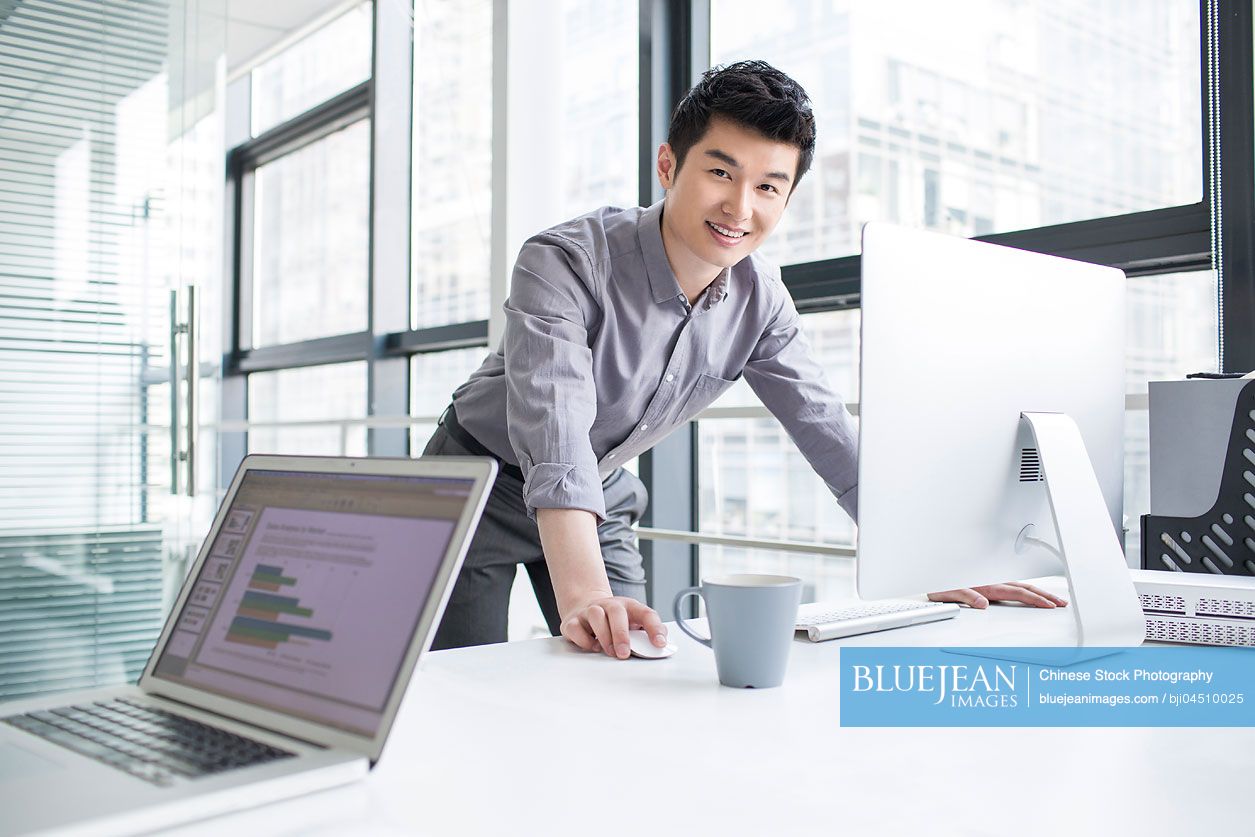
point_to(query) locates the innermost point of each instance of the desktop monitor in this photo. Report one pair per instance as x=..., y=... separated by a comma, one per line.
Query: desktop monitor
x=992, y=424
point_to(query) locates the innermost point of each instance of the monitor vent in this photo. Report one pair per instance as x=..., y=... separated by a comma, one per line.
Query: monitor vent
x=1204, y=633
x=1030, y=465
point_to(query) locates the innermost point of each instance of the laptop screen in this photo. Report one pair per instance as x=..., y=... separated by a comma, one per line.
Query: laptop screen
x=312, y=590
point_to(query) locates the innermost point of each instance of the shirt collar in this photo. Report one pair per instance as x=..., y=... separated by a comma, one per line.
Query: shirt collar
x=662, y=279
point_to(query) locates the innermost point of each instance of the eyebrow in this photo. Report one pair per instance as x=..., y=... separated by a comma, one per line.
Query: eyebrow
x=728, y=159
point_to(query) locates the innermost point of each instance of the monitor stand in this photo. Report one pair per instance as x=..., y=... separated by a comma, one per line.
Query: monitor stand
x=1104, y=602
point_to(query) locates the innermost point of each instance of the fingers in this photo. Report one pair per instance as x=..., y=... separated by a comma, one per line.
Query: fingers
x=1011, y=593
x=617, y=614
x=575, y=630
x=1027, y=594
x=646, y=618
x=600, y=625
x=966, y=596
x=1045, y=594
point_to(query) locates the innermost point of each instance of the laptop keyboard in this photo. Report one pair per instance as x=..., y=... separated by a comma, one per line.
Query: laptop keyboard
x=149, y=743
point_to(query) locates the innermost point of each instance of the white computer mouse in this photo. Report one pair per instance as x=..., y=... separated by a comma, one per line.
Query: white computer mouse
x=642, y=647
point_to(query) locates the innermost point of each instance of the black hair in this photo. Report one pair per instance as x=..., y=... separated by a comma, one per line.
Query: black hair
x=753, y=95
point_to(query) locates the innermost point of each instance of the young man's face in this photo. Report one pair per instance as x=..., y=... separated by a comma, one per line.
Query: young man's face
x=727, y=197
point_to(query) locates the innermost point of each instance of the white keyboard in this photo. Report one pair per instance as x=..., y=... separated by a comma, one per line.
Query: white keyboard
x=833, y=620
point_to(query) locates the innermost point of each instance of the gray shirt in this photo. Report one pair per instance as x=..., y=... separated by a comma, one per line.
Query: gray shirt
x=603, y=357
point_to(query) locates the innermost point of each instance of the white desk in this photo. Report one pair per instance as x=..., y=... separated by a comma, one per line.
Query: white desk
x=538, y=738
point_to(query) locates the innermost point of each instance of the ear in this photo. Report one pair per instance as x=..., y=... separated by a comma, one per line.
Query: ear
x=666, y=166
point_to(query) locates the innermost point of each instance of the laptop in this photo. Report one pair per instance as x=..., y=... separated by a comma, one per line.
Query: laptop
x=282, y=664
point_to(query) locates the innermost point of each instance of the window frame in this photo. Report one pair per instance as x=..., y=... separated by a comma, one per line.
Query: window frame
x=386, y=350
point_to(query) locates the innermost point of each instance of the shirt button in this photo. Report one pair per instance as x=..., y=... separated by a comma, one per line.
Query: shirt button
x=670, y=378
x=644, y=427
x=611, y=456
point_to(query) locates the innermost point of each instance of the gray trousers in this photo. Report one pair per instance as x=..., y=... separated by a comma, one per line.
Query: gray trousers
x=478, y=610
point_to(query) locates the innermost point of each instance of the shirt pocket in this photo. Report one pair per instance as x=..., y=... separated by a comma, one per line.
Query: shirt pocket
x=705, y=391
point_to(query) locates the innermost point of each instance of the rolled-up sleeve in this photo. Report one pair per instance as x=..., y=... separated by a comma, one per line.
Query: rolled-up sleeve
x=783, y=372
x=551, y=401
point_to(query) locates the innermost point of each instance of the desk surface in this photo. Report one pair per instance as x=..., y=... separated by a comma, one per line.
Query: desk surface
x=538, y=738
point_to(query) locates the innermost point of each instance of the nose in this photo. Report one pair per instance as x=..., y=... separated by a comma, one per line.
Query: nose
x=737, y=204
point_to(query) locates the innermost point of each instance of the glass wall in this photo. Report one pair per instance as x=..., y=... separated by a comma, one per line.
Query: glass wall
x=111, y=161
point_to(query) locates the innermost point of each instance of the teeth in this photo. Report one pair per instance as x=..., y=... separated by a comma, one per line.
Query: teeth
x=725, y=231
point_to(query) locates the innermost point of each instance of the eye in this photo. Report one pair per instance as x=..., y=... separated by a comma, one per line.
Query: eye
x=719, y=173
x=767, y=187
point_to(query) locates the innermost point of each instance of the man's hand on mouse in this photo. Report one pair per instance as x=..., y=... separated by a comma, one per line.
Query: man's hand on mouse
x=601, y=621
x=1012, y=591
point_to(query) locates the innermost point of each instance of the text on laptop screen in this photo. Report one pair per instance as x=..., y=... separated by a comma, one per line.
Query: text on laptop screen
x=312, y=590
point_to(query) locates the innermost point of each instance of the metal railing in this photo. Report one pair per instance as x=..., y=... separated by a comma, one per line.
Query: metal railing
x=1134, y=402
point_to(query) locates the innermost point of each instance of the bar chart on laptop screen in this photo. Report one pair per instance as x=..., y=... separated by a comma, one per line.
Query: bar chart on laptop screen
x=325, y=602
x=257, y=618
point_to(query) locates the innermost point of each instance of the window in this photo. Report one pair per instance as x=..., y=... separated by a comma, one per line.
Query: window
x=304, y=249
x=311, y=239
x=452, y=162
x=309, y=401
x=599, y=105
x=324, y=63
x=999, y=116
x=433, y=377
x=752, y=479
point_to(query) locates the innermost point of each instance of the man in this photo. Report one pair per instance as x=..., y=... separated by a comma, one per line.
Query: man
x=621, y=325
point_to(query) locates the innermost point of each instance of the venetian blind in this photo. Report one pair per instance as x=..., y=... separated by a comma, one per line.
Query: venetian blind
x=83, y=116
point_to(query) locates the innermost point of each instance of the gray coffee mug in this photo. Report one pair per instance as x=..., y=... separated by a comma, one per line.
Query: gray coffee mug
x=751, y=621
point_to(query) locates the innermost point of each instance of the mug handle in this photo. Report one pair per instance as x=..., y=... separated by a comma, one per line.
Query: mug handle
x=679, y=620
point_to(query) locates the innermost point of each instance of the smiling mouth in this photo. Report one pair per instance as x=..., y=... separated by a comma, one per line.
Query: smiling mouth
x=726, y=235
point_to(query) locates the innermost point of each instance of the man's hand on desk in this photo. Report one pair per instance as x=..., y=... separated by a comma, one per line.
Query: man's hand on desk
x=1014, y=591
x=593, y=617
x=602, y=621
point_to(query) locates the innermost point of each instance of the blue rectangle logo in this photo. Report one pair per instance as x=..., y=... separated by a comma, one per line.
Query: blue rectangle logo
x=1048, y=687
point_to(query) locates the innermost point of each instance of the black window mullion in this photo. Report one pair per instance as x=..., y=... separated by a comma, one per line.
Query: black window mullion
x=326, y=118
x=339, y=348
x=674, y=51
x=437, y=338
